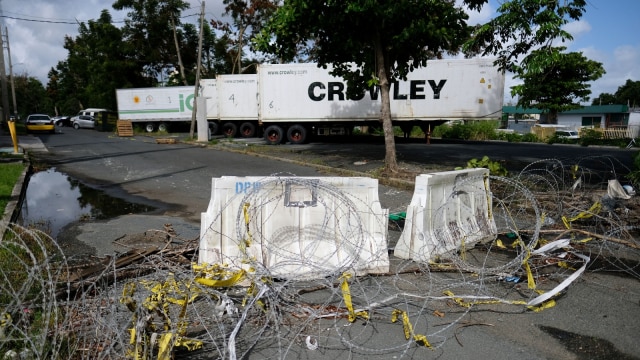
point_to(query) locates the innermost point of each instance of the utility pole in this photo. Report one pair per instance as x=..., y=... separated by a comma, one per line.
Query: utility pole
x=3, y=85
x=175, y=39
x=13, y=85
x=195, y=95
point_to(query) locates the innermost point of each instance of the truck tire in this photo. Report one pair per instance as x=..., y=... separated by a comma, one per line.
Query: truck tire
x=213, y=128
x=297, y=134
x=274, y=135
x=163, y=127
x=150, y=127
x=229, y=129
x=247, y=130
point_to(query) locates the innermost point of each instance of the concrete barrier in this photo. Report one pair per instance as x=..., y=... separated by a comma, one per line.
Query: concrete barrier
x=295, y=227
x=449, y=211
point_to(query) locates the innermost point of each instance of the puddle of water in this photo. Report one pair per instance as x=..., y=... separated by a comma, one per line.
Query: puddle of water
x=54, y=200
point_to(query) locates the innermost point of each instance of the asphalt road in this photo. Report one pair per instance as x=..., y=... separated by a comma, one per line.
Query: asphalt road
x=596, y=319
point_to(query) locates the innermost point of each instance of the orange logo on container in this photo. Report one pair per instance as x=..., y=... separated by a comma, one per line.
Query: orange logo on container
x=136, y=99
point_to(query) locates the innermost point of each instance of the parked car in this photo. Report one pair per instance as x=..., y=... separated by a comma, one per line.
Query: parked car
x=40, y=122
x=83, y=121
x=62, y=120
x=567, y=134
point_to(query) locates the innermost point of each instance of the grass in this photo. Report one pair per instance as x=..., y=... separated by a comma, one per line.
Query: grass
x=9, y=175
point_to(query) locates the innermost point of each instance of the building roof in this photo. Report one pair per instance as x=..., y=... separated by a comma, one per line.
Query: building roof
x=594, y=109
x=600, y=109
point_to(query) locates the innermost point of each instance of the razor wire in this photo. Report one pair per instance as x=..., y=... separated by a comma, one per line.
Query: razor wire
x=553, y=219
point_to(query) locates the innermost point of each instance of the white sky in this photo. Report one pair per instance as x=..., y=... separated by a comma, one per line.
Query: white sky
x=608, y=33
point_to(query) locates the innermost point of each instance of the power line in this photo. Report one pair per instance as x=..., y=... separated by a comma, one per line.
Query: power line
x=42, y=21
x=74, y=22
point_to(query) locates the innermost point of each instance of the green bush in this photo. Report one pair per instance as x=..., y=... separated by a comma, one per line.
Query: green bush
x=590, y=137
x=472, y=130
x=634, y=175
x=516, y=137
x=495, y=167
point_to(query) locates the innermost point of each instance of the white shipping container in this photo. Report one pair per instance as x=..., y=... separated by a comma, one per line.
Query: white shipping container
x=445, y=89
x=174, y=103
x=208, y=89
x=240, y=99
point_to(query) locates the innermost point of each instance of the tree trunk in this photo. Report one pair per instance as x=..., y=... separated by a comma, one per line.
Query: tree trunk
x=175, y=40
x=553, y=117
x=390, y=161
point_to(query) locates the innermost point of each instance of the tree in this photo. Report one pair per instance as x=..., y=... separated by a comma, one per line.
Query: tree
x=98, y=62
x=369, y=42
x=605, y=99
x=32, y=96
x=528, y=28
x=629, y=93
x=556, y=85
x=249, y=17
x=523, y=26
x=148, y=31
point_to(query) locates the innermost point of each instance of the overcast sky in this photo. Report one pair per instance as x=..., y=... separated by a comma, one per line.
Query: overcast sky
x=609, y=33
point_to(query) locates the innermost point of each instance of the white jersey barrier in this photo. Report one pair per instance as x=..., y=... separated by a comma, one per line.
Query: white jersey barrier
x=449, y=211
x=295, y=227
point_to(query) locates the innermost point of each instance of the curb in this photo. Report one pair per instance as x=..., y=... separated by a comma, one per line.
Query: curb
x=12, y=210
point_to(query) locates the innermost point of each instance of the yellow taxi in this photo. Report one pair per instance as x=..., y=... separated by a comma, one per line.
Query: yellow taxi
x=40, y=122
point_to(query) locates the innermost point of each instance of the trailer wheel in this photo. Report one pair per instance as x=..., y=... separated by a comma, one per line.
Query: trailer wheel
x=163, y=127
x=229, y=129
x=247, y=129
x=213, y=128
x=274, y=135
x=297, y=134
x=150, y=127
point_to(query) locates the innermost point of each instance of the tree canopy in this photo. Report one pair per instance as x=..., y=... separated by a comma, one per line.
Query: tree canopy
x=558, y=85
x=103, y=57
x=627, y=94
x=523, y=36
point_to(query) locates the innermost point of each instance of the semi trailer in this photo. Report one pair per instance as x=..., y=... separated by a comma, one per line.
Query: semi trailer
x=292, y=102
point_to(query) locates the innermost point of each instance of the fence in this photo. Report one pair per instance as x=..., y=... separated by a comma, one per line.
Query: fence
x=629, y=132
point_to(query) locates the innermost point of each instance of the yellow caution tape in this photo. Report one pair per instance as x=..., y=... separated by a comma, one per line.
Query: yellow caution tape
x=346, y=295
x=245, y=210
x=545, y=305
x=408, y=328
x=168, y=341
x=531, y=282
x=593, y=210
x=164, y=346
x=565, y=265
x=162, y=295
x=5, y=320
x=458, y=301
x=228, y=282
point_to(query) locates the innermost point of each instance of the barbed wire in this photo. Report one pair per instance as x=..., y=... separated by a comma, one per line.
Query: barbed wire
x=283, y=290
